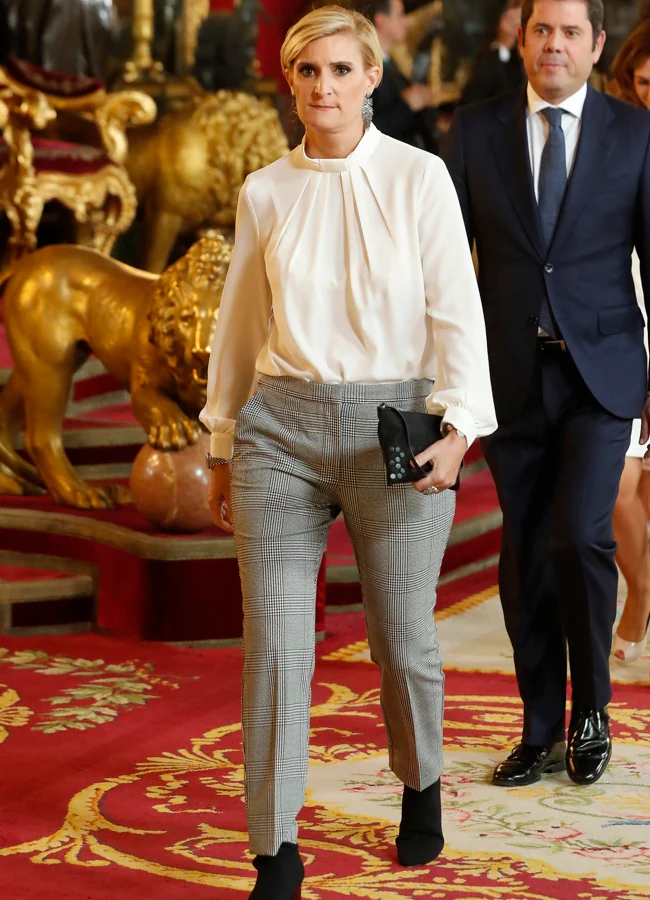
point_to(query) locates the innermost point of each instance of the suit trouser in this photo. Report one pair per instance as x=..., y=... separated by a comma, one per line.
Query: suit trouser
x=557, y=469
x=305, y=451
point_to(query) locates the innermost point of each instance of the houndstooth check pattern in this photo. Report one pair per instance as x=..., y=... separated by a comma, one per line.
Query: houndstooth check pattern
x=552, y=187
x=305, y=451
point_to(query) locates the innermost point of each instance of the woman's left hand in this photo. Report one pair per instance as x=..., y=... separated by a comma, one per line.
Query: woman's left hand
x=445, y=456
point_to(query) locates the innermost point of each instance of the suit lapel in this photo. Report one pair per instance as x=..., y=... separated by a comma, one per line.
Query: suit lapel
x=592, y=156
x=510, y=146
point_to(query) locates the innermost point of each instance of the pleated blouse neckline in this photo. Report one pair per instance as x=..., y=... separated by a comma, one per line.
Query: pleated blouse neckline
x=358, y=156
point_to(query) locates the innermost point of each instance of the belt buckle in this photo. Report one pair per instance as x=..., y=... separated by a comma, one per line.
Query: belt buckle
x=550, y=342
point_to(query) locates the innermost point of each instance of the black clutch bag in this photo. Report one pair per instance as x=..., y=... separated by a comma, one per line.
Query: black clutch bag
x=402, y=435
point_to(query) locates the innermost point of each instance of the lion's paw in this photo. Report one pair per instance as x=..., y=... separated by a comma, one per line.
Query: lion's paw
x=174, y=434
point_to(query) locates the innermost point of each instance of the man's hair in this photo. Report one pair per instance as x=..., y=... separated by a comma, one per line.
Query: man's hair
x=595, y=11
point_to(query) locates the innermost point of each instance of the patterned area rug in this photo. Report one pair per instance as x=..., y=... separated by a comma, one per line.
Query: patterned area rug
x=121, y=772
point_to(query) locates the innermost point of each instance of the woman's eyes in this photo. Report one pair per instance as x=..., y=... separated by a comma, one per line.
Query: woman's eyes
x=308, y=71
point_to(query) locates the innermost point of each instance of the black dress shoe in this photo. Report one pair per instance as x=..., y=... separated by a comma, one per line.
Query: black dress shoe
x=279, y=877
x=420, y=838
x=527, y=763
x=589, y=747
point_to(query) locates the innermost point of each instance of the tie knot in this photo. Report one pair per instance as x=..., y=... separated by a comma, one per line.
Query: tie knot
x=553, y=116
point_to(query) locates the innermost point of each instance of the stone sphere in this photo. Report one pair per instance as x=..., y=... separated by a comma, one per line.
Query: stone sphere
x=170, y=488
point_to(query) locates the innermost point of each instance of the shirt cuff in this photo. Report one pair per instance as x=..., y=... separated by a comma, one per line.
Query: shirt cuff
x=221, y=445
x=461, y=420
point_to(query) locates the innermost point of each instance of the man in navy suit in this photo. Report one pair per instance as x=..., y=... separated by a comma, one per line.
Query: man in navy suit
x=554, y=182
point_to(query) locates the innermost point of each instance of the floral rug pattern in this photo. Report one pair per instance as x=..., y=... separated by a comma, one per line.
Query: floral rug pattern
x=139, y=788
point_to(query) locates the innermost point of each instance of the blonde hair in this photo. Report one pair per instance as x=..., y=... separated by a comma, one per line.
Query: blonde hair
x=327, y=21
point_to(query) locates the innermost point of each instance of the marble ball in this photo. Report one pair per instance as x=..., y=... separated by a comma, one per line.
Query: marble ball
x=170, y=488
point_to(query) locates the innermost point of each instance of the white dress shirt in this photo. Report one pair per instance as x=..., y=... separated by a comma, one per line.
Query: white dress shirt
x=353, y=270
x=538, y=128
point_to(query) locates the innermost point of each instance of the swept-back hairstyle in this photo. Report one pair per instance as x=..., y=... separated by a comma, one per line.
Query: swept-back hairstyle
x=327, y=21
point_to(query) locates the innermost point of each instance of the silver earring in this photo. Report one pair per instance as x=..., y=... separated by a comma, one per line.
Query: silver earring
x=367, y=110
x=294, y=109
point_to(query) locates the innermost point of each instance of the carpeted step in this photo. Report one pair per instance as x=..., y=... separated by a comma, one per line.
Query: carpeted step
x=45, y=594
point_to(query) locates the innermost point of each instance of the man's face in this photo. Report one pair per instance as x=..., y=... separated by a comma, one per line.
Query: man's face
x=558, y=48
x=391, y=27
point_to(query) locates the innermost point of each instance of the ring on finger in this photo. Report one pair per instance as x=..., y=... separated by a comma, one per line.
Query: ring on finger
x=432, y=489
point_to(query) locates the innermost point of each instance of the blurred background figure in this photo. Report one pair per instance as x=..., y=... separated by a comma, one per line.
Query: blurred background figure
x=631, y=82
x=631, y=68
x=71, y=36
x=498, y=68
x=403, y=109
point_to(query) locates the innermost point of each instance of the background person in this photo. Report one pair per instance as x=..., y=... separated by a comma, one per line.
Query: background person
x=554, y=182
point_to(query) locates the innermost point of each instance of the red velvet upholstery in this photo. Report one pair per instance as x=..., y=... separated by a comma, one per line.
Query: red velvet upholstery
x=55, y=83
x=59, y=156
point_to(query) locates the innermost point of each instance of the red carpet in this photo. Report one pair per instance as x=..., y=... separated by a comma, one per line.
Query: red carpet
x=121, y=771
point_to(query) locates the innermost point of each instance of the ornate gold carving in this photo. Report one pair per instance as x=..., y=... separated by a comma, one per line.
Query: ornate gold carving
x=195, y=12
x=142, y=65
x=153, y=334
x=103, y=202
x=188, y=169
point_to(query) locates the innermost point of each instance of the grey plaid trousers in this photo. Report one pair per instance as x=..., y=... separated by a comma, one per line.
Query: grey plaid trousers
x=305, y=451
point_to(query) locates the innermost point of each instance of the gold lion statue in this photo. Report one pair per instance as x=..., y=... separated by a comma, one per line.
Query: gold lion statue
x=151, y=332
x=189, y=166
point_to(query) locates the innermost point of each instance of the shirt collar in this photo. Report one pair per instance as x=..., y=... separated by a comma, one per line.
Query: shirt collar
x=359, y=155
x=573, y=104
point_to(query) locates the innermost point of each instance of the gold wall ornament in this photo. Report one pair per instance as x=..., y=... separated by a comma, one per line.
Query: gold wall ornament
x=152, y=333
x=195, y=11
x=142, y=65
x=101, y=197
x=189, y=167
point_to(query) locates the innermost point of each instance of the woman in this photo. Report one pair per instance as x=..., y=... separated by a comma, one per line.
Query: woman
x=631, y=71
x=351, y=284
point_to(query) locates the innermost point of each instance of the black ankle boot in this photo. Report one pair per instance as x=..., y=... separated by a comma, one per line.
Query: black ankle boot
x=420, y=838
x=279, y=877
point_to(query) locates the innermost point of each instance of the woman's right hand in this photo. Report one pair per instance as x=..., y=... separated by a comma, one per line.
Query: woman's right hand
x=219, y=497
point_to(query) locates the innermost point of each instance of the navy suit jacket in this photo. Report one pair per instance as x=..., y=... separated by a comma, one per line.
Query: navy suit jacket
x=586, y=272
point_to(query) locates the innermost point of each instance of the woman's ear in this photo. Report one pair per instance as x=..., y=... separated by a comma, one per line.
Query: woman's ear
x=289, y=77
x=373, y=78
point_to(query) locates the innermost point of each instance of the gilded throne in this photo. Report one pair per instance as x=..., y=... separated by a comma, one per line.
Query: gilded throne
x=86, y=175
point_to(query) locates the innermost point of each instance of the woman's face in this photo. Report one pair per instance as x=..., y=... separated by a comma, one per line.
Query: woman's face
x=330, y=82
x=642, y=82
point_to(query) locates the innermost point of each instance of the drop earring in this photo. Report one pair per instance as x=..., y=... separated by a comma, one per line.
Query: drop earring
x=367, y=110
x=294, y=109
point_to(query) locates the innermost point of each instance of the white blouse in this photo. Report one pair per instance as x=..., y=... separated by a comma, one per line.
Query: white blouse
x=351, y=270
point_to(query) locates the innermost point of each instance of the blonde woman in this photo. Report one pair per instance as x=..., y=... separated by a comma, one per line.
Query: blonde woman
x=351, y=284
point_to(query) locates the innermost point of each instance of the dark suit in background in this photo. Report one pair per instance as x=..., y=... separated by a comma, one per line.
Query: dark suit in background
x=394, y=117
x=564, y=417
x=492, y=76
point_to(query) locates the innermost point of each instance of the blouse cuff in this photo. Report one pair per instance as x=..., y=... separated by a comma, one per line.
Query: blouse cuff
x=221, y=445
x=461, y=420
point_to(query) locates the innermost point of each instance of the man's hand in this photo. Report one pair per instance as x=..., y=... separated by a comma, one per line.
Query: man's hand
x=219, y=497
x=418, y=97
x=645, y=426
x=445, y=456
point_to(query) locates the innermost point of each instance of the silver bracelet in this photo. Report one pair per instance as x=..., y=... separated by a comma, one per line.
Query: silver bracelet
x=212, y=461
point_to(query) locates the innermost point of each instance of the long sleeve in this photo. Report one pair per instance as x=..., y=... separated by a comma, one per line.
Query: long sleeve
x=462, y=391
x=241, y=332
